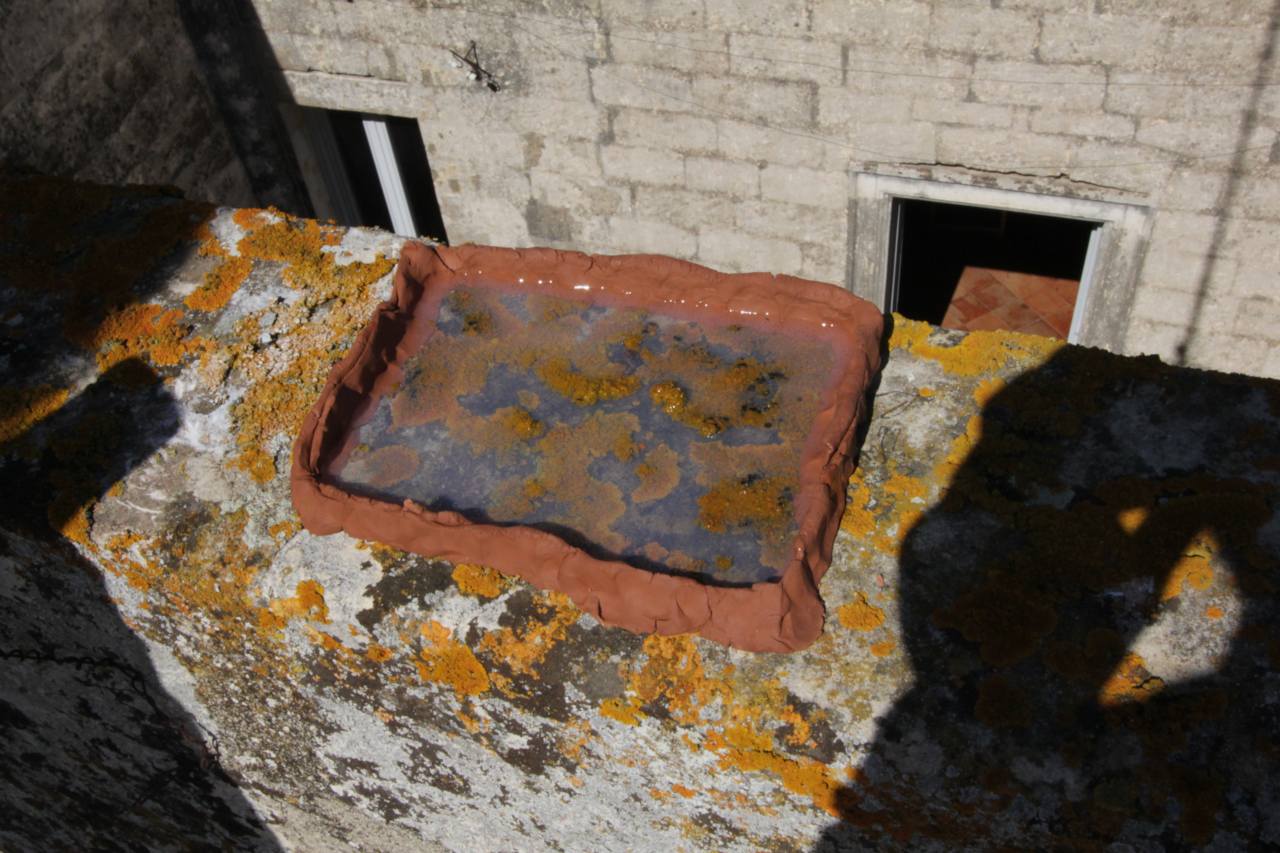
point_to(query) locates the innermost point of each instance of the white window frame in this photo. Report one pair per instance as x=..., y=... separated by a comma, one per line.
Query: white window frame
x=1107, y=281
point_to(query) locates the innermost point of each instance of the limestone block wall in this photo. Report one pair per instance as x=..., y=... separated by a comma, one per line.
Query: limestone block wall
x=726, y=133
x=112, y=92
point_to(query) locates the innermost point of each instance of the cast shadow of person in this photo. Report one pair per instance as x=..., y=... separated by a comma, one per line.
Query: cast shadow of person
x=94, y=752
x=1115, y=521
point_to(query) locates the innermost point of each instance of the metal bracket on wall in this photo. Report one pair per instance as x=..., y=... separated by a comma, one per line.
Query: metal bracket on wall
x=471, y=61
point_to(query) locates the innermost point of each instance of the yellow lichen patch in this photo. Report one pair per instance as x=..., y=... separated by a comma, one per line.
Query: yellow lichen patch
x=23, y=408
x=271, y=235
x=673, y=674
x=860, y=614
x=987, y=389
x=671, y=399
x=76, y=524
x=1193, y=569
x=882, y=521
x=763, y=503
x=219, y=285
x=475, y=320
x=279, y=395
x=524, y=647
x=519, y=422
x=1213, y=611
x=307, y=602
x=748, y=719
x=444, y=660
x=622, y=711
x=977, y=353
x=153, y=331
x=681, y=790
x=284, y=529
x=378, y=653
x=1132, y=518
x=1131, y=682
x=480, y=581
x=884, y=648
x=574, y=736
x=584, y=390
x=1001, y=704
x=802, y=776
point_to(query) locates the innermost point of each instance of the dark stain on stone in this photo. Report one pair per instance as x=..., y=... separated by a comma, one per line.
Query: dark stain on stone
x=827, y=745
x=718, y=827
x=542, y=751
x=408, y=580
x=427, y=767
x=548, y=222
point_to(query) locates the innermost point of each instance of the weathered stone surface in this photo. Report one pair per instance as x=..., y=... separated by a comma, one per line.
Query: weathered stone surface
x=1051, y=607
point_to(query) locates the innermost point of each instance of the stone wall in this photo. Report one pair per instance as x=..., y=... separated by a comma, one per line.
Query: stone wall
x=725, y=133
x=112, y=92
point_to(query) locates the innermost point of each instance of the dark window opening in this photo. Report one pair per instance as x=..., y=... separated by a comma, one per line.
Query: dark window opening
x=971, y=268
x=348, y=149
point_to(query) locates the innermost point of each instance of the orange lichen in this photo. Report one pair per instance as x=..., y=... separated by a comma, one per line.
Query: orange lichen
x=76, y=524
x=1132, y=518
x=673, y=673
x=480, y=581
x=763, y=503
x=284, y=529
x=674, y=677
x=279, y=396
x=884, y=648
x=1130, y=682
x=520, y=422
x=521, y=649
x=444, y=660
x=306, y=603
x=671, y=399
x=259, y=465
x=860, y=614
x=378, y=653
x=1193, y=568
x=802, y=776
x=881, y=517
x=1213, y=611
x=582, y=389
x=977, y=353
x=219, y=285
x=150, y=331
x=622, y=711
x=23, y=408
x=677, y=788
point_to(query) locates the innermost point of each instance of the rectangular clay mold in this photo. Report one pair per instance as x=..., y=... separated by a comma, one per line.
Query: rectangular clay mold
x=666, y=444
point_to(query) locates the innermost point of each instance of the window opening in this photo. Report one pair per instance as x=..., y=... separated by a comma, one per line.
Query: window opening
x=978, y=268
x=372, y=171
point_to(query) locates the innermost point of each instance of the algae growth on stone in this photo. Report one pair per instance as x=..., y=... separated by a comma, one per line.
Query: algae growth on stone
x=673, y=444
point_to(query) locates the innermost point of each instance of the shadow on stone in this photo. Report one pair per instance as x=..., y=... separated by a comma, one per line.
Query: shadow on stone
x=96, y=754
x=1115, y=515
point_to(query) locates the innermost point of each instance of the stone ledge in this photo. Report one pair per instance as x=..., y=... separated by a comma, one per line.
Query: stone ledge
x=1050, y=613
